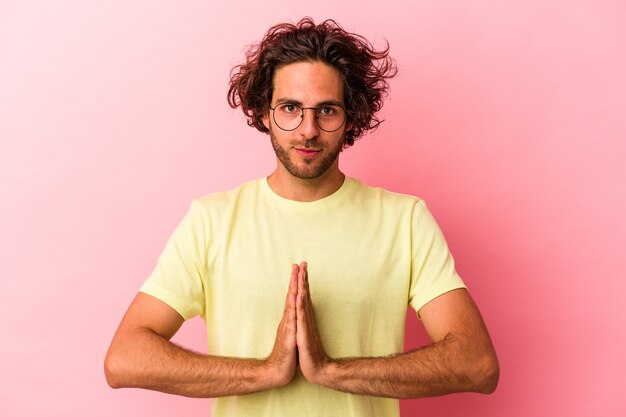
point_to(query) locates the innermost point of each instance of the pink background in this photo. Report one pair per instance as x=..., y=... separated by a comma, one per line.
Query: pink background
x=507, y=117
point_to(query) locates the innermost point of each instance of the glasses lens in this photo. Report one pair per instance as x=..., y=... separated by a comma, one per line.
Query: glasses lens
x=330, y=118
x=289, y=116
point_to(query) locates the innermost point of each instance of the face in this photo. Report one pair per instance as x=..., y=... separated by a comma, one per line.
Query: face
x=307, y=152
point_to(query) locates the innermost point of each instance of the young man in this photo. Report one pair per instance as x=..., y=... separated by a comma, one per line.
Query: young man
x=304, y=277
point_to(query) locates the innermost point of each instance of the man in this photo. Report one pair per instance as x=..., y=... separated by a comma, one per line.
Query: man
x=302, y=342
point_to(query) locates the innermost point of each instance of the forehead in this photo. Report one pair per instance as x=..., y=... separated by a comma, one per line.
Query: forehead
x=308, y=83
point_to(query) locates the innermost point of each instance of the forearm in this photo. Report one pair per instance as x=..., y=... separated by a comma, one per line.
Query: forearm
x=147, y=360
x=441, y=368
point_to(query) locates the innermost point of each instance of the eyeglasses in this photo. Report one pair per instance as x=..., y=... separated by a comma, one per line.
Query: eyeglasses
x=289, y=116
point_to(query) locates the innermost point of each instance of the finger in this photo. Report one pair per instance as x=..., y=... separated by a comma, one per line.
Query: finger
x=293, y=283
x=307, y=303
x=290, y=301
x=288, y=322
x=300, y=281
x=304, y=284
x=302, y=330
x=305, y=268
x=293, y=289
x=302, y=294
x=290, y=288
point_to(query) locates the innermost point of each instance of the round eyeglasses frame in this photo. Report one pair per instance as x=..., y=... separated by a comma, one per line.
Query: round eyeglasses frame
x=302, y=109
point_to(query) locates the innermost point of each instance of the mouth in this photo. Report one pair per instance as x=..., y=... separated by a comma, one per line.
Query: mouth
x=308, y=152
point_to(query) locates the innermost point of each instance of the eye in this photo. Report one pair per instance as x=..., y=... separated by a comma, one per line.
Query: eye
x=289, y=108
x=327, y=111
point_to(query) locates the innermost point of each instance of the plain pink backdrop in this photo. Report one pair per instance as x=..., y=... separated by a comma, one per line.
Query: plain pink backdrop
x=507, y=117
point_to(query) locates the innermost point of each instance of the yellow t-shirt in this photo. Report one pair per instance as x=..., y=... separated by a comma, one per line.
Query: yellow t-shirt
x=370, y=254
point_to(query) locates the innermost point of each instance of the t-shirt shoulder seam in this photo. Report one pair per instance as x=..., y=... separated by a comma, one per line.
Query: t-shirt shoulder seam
x=390, y=192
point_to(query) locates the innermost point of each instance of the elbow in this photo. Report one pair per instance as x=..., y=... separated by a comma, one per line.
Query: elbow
x=487, y=375
x=112, y=371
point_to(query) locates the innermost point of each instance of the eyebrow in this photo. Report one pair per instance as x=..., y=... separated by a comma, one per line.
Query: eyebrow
x=288, y=100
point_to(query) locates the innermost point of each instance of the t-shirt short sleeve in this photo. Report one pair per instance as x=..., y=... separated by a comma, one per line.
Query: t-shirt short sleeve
x=432, y=268
x=178, y=277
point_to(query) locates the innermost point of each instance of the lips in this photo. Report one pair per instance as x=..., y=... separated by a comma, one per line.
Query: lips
x=307, y=152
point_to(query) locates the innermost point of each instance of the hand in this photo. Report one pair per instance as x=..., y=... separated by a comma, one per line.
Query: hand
x=283, y=359
x=313, y=359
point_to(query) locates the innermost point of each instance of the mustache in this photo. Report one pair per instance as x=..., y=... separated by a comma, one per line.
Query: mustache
x=309, y=143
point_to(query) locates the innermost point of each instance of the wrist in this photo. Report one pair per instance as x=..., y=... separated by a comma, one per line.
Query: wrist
x=327, y=373
x=272, y=376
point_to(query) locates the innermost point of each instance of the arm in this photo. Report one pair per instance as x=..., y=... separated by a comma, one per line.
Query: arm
x=141, y=355
x=461, y=357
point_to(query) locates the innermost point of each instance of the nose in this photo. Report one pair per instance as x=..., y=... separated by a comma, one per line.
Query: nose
x=309, y=128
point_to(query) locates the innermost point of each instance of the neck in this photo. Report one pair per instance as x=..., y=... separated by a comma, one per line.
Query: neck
x=306, y=190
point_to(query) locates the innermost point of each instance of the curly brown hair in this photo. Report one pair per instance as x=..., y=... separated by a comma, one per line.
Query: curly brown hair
x=363, y=69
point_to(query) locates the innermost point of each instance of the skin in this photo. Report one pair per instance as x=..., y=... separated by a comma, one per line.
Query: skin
x=298, y=177
x=142, y=356
x=461, y=357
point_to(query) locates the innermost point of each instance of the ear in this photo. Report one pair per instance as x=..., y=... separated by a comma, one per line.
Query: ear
x=349, y=126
